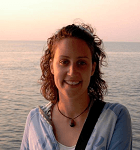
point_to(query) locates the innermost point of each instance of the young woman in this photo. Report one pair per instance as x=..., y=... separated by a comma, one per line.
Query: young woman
x=72, y=82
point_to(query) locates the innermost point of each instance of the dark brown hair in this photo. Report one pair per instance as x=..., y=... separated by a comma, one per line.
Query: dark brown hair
x=97, y=86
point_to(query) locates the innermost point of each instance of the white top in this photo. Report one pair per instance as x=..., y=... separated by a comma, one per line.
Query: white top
x=63, y=147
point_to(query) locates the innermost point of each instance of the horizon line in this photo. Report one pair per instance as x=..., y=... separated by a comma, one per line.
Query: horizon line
x=46, y=40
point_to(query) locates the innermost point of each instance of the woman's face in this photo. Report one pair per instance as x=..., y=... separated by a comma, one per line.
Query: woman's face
x=72, y=67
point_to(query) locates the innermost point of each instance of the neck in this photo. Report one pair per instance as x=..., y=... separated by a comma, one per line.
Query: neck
x=73, y=106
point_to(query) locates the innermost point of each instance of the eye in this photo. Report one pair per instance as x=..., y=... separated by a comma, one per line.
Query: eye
x=82, y=63
x=64, y=62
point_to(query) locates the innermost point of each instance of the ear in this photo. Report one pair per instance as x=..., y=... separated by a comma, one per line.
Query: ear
x=93, y=68
x=51, y=66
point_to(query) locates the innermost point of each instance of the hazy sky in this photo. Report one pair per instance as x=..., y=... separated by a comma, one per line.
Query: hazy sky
x=114, y=20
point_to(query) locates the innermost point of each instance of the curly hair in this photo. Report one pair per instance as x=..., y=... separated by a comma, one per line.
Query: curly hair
x=97, y=86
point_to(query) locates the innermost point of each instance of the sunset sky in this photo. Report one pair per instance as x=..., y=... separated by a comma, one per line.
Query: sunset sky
x=114, y=20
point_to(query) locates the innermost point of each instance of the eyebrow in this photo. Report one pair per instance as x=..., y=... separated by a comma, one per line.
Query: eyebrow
x=77, y=57
x=83, y=57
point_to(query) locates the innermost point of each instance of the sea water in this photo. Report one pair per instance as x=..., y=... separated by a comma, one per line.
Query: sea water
x=20, y=90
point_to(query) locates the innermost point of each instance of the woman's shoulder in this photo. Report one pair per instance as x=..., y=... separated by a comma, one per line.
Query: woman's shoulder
x=117, y=109
x=43, y=111
x=46, y=108
x=46, y=111
x=33, y=112
x=116, y=121
x=114, y=116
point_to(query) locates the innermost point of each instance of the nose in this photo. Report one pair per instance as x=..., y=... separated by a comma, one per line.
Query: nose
x=72, y=70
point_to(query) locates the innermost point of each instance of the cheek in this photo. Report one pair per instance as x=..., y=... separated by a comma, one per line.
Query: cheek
x=58, y=75
x=87, y=74
x=88, y=71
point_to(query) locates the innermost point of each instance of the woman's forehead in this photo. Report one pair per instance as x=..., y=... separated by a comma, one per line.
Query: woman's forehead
x=69, y=46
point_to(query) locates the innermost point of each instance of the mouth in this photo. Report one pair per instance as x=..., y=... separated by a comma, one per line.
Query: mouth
x=72, y=82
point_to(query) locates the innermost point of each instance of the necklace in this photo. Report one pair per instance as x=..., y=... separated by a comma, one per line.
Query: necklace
x=72, y=122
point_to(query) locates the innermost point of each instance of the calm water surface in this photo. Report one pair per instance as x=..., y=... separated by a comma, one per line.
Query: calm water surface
x=20, y=90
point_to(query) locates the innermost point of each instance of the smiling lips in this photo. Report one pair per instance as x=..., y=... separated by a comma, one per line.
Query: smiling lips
x=72, y=82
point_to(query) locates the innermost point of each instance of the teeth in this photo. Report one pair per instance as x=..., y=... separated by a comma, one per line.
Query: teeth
x=72, y=83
